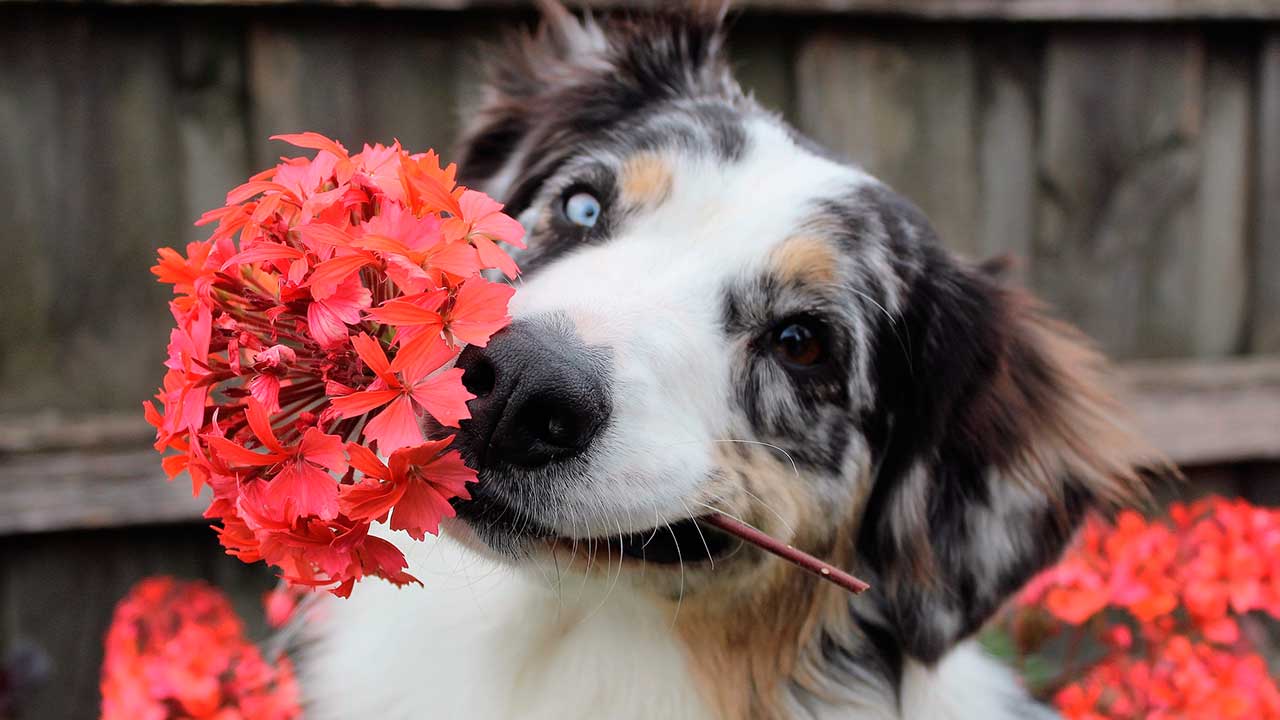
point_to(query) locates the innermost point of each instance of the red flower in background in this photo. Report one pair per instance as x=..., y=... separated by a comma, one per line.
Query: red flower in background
x=327, y=307
x=177, y=649
x=1184, y=583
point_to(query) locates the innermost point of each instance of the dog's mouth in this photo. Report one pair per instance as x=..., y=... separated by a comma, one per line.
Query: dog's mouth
x=683, y=542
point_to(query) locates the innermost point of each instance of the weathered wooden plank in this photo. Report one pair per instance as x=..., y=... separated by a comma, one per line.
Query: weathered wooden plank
x=374, y=78
x=90, y=489
x=1121, y=162
x=212, y=107
x=87, y=160
x=763, y=59
x=1008, y=63
x=50, y=430
x=945, y=116
x=902, y=105
x=59, y=591
x=1128, y=10
x=1265, y=321
x=1208, y=412
x=1214, y=269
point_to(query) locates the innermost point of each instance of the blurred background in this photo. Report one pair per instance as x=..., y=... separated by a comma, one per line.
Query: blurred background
x=1127, y=152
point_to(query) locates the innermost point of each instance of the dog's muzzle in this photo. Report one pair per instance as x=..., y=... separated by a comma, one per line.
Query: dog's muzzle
x=541, y=397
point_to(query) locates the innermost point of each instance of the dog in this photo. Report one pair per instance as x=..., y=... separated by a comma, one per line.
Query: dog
x=715, y=316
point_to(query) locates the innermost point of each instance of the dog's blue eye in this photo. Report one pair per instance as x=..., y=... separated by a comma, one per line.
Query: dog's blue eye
x=582, y=208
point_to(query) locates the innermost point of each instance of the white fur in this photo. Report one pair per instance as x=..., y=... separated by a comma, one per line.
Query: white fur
x=483, y=641
x=966, y=683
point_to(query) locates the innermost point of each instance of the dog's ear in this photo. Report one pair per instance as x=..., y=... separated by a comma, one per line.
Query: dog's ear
x=545, y=92
x=993, y=435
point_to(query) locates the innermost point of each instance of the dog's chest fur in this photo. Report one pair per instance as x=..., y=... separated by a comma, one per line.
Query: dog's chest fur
x=483, y=641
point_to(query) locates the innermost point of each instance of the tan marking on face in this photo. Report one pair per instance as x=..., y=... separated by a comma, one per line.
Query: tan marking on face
x=645, y=180
x=805, y=259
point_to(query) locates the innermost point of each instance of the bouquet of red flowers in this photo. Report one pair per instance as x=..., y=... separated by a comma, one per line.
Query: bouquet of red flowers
x=315, y=335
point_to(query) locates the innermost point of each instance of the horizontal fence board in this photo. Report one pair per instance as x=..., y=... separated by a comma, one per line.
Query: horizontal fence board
x=1197, y=412
x=90, y=489
x=1208, y=412
x=1037, y=10
x=45, y=431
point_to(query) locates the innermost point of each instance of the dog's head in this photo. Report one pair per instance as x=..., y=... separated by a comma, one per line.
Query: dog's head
x=714, y=316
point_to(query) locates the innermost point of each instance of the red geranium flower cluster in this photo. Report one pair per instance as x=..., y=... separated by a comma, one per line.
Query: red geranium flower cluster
x=176, y=649
x=1180, y=679
x=1183, y=584
x=316, y=333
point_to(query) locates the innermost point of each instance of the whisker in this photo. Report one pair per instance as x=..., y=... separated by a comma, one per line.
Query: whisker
x=710, y=556
x=680, y=557
x=794, y=468
x=555, y=560
x=770, y=508
x=893, y=323
x=609, y=593
x=738, y=548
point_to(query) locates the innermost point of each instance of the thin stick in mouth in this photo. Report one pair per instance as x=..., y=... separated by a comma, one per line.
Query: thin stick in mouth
x=796, y=557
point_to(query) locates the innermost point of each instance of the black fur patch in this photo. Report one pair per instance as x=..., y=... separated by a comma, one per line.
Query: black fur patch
x=552, y=96
x=934, y=370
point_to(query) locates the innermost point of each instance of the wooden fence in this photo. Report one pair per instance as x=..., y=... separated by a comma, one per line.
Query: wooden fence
x=1128, y=151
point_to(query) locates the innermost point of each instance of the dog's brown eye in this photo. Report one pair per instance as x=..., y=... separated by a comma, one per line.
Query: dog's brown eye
x=799, y=343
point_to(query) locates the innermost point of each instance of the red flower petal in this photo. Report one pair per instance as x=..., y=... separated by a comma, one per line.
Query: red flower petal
x=313, y=140
x=370, y=499
x=235, y=455
x=395, y=427
x=422, y=356
x=480, y=310
x=327, y=451
x=330, y=274
x=444, y=397
x=326, y=327
x=260, y=423
x=364, y=460
x=419, y=510
x=493, y=256
x=371, y=352
x=303, y=489
x=359, y=403
x=404, y=312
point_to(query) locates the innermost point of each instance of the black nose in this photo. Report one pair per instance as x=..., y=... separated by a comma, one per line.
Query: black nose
x=540, y=396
